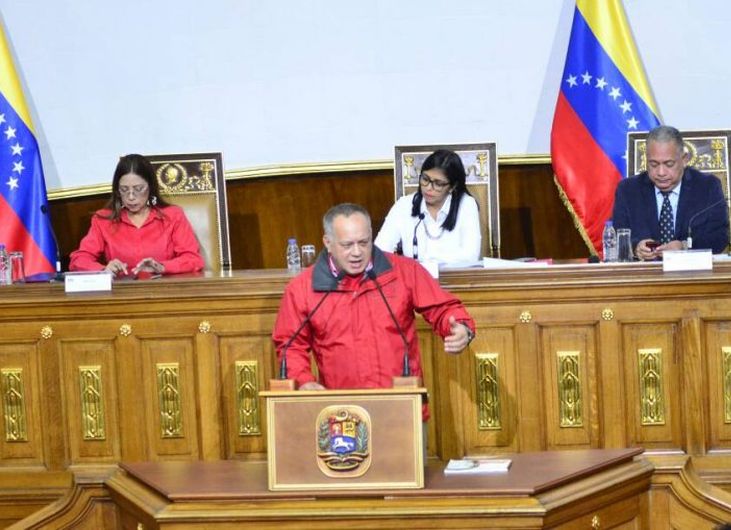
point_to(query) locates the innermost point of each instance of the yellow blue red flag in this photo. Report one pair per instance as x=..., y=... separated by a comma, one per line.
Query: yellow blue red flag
x=604, y=94
x=24, y=221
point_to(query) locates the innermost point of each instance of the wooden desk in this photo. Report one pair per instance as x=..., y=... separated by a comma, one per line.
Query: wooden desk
x=568, y=489
x=573, y=357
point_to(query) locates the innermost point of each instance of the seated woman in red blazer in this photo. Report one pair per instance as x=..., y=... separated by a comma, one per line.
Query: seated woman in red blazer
x=137, y=231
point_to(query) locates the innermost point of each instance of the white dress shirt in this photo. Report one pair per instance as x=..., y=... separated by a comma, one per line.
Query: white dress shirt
x=458, y=246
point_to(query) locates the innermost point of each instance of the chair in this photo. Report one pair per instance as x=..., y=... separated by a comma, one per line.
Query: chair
x=480, y=162
x=196, y=183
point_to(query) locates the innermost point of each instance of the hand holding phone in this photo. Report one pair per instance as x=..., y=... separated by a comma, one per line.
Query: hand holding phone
x=652, y=245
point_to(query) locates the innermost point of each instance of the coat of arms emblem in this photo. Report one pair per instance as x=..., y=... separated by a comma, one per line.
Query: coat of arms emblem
x=343, y=441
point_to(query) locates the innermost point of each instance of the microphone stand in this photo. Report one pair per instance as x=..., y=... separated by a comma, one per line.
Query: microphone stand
x=405, y=379
x=58, y=277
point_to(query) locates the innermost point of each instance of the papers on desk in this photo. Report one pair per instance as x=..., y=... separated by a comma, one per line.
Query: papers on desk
x=469, y=466
x=496, y=263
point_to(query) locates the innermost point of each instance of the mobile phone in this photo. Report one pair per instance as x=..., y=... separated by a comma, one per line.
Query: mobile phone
x=652, y=245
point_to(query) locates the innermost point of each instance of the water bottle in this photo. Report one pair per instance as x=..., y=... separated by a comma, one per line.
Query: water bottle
x=609, y=242
x=5, y=278
x=294, y=261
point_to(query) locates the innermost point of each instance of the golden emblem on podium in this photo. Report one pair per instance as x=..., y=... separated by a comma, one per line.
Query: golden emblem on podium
x=343, y=441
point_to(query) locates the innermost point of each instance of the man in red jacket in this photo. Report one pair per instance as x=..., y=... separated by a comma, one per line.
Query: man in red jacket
x=352, y=335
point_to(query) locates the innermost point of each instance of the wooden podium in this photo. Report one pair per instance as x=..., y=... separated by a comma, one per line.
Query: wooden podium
x=345, y=439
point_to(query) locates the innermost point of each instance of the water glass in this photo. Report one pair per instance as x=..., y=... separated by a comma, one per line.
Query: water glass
x=624, y=245
x=17, y=267
x=308, y=255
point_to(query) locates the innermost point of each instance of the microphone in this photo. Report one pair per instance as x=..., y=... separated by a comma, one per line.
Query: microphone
x=59, y=275
x=406, y=372
x=414, y=242
x=695, y=215
x=283, y=362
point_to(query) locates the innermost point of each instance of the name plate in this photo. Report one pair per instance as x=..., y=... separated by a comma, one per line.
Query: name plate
x=87, y=282
x=687, y=260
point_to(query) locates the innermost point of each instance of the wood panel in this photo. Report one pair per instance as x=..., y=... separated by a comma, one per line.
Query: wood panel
x=264, y=212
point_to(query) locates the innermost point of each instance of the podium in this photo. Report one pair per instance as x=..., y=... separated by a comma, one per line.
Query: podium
x=345, y=439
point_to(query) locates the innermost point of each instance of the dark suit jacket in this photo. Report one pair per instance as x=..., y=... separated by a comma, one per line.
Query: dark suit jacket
x=635, y=207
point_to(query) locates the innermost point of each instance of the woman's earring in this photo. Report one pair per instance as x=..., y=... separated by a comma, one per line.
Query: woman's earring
x=153, y=200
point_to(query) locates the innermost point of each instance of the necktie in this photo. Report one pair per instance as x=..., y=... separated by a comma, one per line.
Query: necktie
x=667, y=233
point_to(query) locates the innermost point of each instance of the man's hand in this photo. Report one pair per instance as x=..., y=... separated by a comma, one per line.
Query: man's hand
x=645, y=253
x=312, y=385
x=459, y=337
x=673, y=245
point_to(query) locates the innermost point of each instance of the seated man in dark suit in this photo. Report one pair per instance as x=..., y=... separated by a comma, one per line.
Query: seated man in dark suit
x=670, y=201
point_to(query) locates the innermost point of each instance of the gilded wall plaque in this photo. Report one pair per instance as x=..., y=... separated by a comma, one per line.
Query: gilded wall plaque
x=92, y=403
x=488, y=391
x=247, y=398
x=168, y=389
x=14, y=405
x=652, y=402
x=569, y=389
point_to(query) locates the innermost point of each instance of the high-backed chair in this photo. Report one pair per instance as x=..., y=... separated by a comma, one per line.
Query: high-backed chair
x=196, y=183
x=708, y=151
x=480, y=162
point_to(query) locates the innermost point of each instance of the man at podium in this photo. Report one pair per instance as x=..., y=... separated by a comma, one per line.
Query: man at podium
x=354, y=311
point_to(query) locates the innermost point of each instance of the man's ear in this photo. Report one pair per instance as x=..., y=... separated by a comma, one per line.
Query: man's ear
x=326, y=242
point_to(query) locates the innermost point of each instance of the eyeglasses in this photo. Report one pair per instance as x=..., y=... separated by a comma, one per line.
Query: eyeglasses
x=438, y=185
x=135, y=191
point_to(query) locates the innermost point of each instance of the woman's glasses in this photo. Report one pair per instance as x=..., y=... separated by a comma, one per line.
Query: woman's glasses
x=437, y=185
x=135, y=191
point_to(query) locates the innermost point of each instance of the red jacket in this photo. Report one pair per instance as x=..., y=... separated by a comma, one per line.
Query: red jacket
x=166, y=236
x=354, y=340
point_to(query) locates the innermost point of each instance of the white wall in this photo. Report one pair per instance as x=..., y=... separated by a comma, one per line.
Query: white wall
x=270, y=82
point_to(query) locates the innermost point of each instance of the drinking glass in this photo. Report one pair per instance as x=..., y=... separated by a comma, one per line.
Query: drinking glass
x=624, y=245
x=17, y=267
x=308, y=255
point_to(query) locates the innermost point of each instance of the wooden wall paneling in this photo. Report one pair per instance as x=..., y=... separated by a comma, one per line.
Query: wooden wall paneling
x=89, y=386
x=446, y=399
x=570, y=391
x=489, y=410
x=610, y=380
x=171, y=395
x=264, y=212
x=718, y=383
x=207, y=375
x=135, y=412
x=658, y=424
x=531, y=405
x=694, y=395
x=245, y=421
x=21, y=441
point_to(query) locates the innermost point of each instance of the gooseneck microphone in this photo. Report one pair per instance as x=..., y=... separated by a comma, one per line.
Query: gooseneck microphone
x=406, y=371
x=695, y=215
x=415, y=241
x=59, y=275
x=283, y=362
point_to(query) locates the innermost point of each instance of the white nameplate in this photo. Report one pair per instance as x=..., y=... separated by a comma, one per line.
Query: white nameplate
x=687, y=260
x=86, y=282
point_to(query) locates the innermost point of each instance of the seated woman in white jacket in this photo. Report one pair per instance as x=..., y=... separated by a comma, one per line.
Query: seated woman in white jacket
x=440, y=222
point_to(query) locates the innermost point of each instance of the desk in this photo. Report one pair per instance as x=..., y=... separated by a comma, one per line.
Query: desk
x=567, y=489
x=573, y=357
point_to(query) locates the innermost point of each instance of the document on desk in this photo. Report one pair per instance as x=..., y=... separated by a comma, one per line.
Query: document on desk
x=469, y=466
x=496, y=263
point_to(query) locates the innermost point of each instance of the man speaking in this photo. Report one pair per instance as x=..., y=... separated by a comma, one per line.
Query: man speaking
x=354, y=311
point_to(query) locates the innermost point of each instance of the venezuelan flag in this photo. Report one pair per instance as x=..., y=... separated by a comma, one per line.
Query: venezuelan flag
x=24, y=221
x=604, y=95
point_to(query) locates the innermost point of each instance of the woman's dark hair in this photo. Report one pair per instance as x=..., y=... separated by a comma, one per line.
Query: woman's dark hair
x=140, y=166
x=451, y=164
